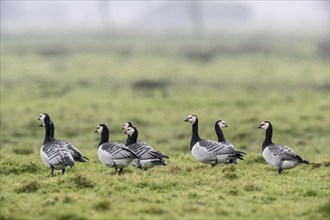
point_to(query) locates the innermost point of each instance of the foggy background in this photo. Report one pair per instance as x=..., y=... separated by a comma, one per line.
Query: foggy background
x=196, y=17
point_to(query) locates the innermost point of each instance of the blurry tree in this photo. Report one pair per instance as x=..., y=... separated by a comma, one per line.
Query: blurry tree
x=105, y=14
x=195, y=13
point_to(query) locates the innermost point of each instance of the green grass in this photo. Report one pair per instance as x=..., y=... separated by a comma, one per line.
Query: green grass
x=81, y=87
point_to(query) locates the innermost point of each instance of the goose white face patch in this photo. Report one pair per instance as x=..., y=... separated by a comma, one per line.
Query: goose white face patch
x=222, y=124
x=42, y=117
x=130, y=131
x=99, y=129
x=264, y=125
x=126, y=126
x=191, y=118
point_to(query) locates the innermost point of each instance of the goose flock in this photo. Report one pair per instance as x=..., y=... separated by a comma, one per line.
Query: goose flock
x=58, y=154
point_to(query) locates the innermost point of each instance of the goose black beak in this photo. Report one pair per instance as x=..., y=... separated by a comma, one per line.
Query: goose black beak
x=259, y=126
x=186, y=120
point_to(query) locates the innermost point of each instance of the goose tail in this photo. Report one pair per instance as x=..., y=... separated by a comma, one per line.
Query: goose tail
x=302, y=160
x=305, y=161
x=81, y=159
x=159, y=162
x=164, y=156
x=69, y=161
x=240, y=152
x=239, y=155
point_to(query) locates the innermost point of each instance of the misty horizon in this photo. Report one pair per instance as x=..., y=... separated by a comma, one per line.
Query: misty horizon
x=173, y=16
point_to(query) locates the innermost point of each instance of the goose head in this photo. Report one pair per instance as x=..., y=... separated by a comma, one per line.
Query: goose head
x=191, y=119
x=265, y=125
x=127, y=125
x=100, y=128
x=221, y=124
x=42, y=118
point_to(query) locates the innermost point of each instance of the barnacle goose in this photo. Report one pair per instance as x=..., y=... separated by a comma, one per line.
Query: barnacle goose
x=113, y=154
x=148, y=156
x=54, y=153
x=207, y=151
x=221, y=139
x=279, y=156
x=76, y=154
x=125, y=127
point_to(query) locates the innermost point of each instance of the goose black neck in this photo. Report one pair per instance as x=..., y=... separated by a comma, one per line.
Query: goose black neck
x=104, y=136
x=128, y=140
x=268, y=137
x=132, y=139
x=52, y=129
x=219, y=133
x=48, y=136
x=195, y=137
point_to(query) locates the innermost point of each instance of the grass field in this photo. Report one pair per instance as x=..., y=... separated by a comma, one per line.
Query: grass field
x=155, y=83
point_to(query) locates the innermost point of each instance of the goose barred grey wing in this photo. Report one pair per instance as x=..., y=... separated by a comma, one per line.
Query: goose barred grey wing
x=55, y=153
x=144, y=151
x=76, y=154
x=237, y=155
x=284, y=152
x=217, y=148
x=117, y=150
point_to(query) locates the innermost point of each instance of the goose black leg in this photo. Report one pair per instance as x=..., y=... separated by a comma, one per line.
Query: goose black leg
x=139, y=165
x=121, y=170
x=52, y=173
x=280, y=170
x=115, y=166
x=215, y=163
x=63, y=171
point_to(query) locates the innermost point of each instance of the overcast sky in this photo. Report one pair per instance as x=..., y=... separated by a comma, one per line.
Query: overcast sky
x=36, y=15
